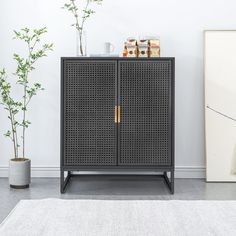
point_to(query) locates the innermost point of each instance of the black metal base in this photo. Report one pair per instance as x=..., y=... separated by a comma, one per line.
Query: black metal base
x=64, y=181
x=168, y=181
x=19, y=186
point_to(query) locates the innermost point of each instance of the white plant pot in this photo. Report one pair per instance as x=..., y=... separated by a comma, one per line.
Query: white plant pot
x=19, y=173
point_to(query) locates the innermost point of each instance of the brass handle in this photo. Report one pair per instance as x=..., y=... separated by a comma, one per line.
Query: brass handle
x=115, y=114
x=118, y=114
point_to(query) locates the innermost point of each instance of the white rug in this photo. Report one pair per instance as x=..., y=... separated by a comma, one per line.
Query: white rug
x=57, y=217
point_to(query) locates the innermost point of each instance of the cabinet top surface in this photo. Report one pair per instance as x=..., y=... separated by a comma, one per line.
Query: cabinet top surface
x=118, y=58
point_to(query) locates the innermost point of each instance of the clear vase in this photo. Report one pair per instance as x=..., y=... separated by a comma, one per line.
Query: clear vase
x=81, y=43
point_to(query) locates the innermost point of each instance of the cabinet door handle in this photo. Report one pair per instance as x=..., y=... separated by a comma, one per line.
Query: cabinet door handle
x=118, y=114
x=115, y=114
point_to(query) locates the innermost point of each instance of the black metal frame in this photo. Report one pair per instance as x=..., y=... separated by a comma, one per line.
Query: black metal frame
x=64, y=181
x=165, y=169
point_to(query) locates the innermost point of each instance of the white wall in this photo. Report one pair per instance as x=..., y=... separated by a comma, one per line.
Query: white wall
x=180, y=25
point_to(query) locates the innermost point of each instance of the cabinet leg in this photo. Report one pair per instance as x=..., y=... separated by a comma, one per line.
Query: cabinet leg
x=170, y=181
x=64, y=181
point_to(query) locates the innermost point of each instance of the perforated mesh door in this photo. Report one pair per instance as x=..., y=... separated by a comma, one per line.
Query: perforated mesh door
x=89, y=101
x=144, y=105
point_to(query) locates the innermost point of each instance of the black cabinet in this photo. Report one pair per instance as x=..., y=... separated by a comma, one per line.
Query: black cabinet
x=117, y=113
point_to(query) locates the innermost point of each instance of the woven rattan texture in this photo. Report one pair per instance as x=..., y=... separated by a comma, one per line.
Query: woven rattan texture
x=89, y=101
x=145, y=115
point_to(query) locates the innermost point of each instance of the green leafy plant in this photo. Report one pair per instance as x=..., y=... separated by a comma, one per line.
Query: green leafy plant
x=17, y=108
x=81, y=14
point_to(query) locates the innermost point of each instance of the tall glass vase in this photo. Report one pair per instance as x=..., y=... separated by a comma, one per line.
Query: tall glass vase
x=81, y=43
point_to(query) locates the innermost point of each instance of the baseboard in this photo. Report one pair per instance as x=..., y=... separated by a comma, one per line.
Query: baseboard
x=39, y=171
x=54, y=171
x=190, y=172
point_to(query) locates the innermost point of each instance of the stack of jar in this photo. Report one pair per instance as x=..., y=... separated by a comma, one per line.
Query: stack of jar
x=130, y=48
x=149, y=47
x=143, y=48
x=154, y=47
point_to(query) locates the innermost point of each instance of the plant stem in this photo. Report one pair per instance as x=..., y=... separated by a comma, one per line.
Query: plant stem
x=82, y=28
x=23, y=135
x=16, y=138
x=24, y=101
x=13, y=132
x=84, y=18
x=77, y=26
x=81, y=43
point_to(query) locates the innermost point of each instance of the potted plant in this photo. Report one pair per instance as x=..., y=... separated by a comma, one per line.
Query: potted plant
x=17, y=108
x=81, y=14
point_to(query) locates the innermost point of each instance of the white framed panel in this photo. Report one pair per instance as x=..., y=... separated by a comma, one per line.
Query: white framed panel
x=220, y=104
